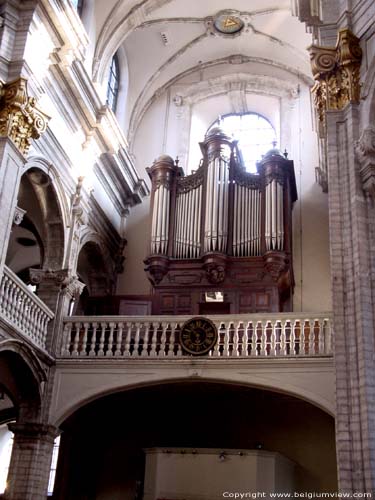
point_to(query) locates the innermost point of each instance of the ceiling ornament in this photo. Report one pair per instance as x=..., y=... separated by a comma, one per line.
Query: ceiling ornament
x=226, y=23
x=336, y=72
x=20, y=118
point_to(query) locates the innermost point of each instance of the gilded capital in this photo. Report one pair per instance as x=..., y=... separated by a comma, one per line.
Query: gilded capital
x=20, y=118
x=336, y=72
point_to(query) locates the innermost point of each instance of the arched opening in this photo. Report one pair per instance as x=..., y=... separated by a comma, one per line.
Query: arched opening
x=38, y=240
x=92, y=270
x=254, y=133
x=105, y=446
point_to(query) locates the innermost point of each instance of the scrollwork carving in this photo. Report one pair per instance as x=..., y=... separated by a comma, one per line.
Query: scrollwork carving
x=336, y=72
x=20, y=118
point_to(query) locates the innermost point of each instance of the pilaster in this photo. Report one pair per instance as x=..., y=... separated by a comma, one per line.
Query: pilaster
x=57, y=289
x=352, y=248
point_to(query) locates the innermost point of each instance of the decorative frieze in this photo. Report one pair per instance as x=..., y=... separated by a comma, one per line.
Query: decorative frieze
x=365, y=153
x=20, y=118
x=336, y=72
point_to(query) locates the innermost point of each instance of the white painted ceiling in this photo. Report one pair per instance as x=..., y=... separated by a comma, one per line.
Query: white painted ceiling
x=271, y=35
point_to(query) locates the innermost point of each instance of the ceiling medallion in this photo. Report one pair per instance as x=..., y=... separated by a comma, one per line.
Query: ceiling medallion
x=228, y=24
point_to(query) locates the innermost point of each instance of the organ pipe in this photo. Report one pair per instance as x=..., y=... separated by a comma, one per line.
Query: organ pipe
x=255, y=211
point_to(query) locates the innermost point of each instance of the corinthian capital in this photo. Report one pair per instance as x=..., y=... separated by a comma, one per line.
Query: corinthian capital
x=336, y=72
x=61, y=279
x=20, y=118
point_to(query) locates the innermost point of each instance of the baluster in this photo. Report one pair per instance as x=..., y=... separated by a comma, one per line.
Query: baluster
x=83, y=350
x=176, y=340
x=77, y=327
x=293, y=338
x=27, y=321
x=2, y=292
x=171, y=345
x=44, y=319
x=65, y=347
x=245, y=340
x=110, y=339
x=163, y=340
x=283, y=351
x=273, y=339
x=327, y=337
x=38, y=321
x=146, y=339
x=320, y=338
x=32, y=333
x=263, y=345
x=102, y=339
x=216, y=351
x=227, y=339
x=5, y=294
x=120, y=328
x=93, y=339
x=312, y=337
x=128, y=339
x=236, y=338
x=9, y=308
x=155, y=327
x=302, y=340
x=136, y=339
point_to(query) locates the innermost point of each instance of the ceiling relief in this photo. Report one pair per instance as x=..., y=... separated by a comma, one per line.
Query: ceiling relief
x=227, y=23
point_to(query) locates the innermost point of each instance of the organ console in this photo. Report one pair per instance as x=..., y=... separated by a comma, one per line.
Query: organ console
x=221, y=238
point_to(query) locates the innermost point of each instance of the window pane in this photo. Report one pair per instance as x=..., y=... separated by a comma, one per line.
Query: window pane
x=254, y=134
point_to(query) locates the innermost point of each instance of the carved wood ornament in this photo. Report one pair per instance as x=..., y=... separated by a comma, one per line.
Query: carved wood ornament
x=20, y=118
x=336, y=72
x=222, y=229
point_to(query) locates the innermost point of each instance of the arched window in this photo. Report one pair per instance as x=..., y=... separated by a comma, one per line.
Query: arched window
x=78, y=5
x=113, y=83
x=254, y=134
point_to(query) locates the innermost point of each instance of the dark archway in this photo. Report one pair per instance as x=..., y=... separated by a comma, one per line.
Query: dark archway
x=103, y=442
x=38, y=241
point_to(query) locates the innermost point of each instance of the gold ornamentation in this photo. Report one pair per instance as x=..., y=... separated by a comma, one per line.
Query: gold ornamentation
x=20, y=119
x=336, y=73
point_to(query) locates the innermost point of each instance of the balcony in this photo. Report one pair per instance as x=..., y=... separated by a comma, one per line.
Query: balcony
x=22, y=310
x=281, y=335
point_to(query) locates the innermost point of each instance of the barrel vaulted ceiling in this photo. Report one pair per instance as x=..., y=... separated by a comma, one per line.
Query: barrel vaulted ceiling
x=165, y=40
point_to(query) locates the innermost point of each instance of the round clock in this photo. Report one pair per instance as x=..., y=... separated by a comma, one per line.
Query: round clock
x=228, y=24
x=198, y=336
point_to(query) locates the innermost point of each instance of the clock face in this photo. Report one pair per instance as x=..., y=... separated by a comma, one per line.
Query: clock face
x=228, y=24
x=198, y=336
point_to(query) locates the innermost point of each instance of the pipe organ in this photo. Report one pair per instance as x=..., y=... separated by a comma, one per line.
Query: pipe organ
x=222, y=232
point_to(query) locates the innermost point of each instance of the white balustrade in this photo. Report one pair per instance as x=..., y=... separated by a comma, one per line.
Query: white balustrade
x=20, y=307
x=239, y=336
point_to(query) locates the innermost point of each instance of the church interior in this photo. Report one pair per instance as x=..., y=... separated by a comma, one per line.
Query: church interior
x=187, y=249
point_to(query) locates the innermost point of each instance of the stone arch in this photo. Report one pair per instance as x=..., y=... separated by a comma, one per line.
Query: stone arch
x=23, y=378
x=259, y=382
x=368, y=93
x=95, y=268
x=44, y=224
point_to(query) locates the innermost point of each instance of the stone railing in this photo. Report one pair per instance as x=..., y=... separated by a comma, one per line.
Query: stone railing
x=22, y=309
x=240, y=336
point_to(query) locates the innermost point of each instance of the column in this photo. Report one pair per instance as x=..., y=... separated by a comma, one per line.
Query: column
x=31, y=461
x=57, y=289
x=20, y=122
x=352, y=247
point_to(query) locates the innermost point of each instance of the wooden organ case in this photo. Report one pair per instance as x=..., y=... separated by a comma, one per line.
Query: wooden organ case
x=222, y=232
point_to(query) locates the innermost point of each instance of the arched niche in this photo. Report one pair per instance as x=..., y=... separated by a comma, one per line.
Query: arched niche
x=22, y=380
x=95, y=271
x=191, y=414
x=38, y=241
